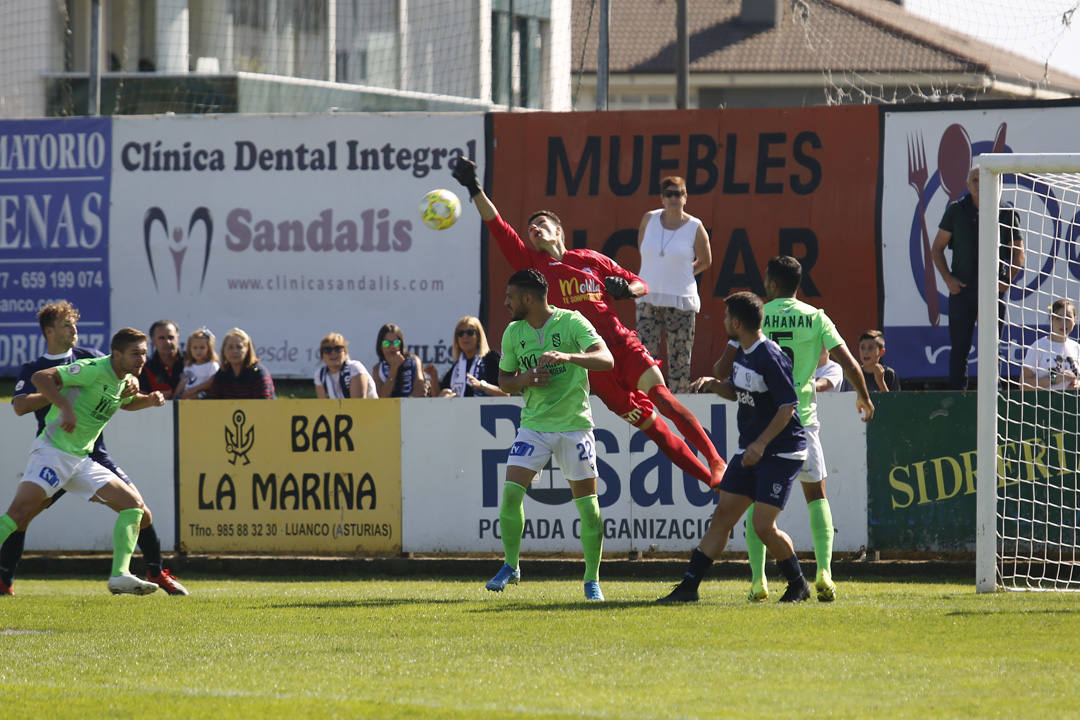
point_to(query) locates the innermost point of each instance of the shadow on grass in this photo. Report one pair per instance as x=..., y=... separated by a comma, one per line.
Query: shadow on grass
x=994, y=611
x=361, y=603
x=496, y=606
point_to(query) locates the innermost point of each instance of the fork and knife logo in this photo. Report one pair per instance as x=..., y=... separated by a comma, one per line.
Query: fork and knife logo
x=954, y=164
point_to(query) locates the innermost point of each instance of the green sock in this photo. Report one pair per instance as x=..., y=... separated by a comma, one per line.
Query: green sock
x=592, y=534
x=7, y=526
x=755, y=549
x=125, y=535
x=512, y=521
x=822, y=529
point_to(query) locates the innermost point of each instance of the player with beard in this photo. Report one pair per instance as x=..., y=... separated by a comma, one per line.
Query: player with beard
x=584, y=280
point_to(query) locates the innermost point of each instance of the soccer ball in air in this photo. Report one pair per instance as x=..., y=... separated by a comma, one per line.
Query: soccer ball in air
x=440, y=209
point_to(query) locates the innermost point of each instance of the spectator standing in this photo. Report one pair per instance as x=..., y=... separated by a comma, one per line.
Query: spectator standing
x=398, y=373
x=475, y=369
x=674, y=248
x=200, y=365
x=959, y=231
x=165, y=368
x=338, y=376
x=1053, y=361
x=241, y=376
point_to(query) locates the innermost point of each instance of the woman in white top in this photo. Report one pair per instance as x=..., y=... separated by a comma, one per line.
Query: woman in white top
x=338, y=376
x=1053, y=361
x=674, y=248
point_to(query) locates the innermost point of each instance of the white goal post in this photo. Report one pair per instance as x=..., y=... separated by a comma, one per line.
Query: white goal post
x=1028, y=497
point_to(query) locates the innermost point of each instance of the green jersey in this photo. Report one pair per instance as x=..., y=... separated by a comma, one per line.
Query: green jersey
x=94, y=392
x=563, y=404
x=801, y=330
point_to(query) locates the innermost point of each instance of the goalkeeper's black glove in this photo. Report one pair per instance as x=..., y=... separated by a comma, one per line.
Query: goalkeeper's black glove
x=617, y=287
x=465, y=173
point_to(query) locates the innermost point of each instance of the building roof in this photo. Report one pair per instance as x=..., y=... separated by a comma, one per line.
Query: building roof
x=853, y=36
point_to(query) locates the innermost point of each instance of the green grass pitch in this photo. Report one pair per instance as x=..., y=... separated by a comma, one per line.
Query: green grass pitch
x=421, y=648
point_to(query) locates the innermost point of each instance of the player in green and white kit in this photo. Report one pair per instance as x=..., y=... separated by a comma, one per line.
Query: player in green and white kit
x=546, y=355
x=801, y=330
x=84, y=396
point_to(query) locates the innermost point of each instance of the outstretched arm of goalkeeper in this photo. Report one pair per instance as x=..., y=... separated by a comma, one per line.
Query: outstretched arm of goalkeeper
x=465, y=173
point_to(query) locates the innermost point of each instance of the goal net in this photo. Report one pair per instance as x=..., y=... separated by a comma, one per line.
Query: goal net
x=272, y=56
x=1028, y=494
x=957, y=50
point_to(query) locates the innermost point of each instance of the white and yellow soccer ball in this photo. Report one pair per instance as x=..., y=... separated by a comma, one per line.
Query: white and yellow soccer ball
x=440, y=209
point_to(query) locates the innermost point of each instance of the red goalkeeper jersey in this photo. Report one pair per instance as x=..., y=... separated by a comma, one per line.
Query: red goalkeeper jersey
x=576, y=282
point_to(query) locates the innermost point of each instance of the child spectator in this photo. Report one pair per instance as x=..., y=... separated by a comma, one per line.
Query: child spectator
x=200, y=364
x=1053, y=361
x=339, y=376
x=879, y=378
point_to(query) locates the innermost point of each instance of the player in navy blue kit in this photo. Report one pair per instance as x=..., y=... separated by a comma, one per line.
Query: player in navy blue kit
x=772, y=447
x=59, y=324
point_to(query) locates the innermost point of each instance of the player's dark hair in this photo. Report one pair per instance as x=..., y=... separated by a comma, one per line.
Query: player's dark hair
x=876, y=335
x=746, y=307
x=51, y=313
x=530, y=281
x=786, y=272
x=544, y=213
x=162, y=323
x=125, y=338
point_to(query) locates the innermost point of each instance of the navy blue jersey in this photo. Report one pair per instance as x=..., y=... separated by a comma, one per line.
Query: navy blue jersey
x=763, y=384
x=23, y=386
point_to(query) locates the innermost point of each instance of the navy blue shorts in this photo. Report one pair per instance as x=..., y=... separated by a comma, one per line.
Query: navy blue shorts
x=767, y=482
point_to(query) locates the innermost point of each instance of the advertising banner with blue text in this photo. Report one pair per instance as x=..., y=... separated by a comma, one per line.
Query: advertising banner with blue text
x=291, y=227
x=926, y=158
x=452, y=481
x=54, y=230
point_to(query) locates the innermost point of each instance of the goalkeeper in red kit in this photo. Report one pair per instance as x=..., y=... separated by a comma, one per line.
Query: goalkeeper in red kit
x=583, y=280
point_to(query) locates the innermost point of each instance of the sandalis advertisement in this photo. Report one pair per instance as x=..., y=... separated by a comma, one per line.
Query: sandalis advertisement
x=293, y=227
x=290, y=476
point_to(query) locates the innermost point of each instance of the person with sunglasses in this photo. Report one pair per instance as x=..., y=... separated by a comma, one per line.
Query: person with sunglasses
x=674, y=248
x=338, y=376
x=475, y=371
x=587, y=281
x=398, y=373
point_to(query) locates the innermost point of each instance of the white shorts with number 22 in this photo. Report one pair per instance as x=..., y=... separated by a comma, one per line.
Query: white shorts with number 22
x=574, y=451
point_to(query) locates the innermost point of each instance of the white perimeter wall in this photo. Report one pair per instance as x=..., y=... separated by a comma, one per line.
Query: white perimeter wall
x=445, y=447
